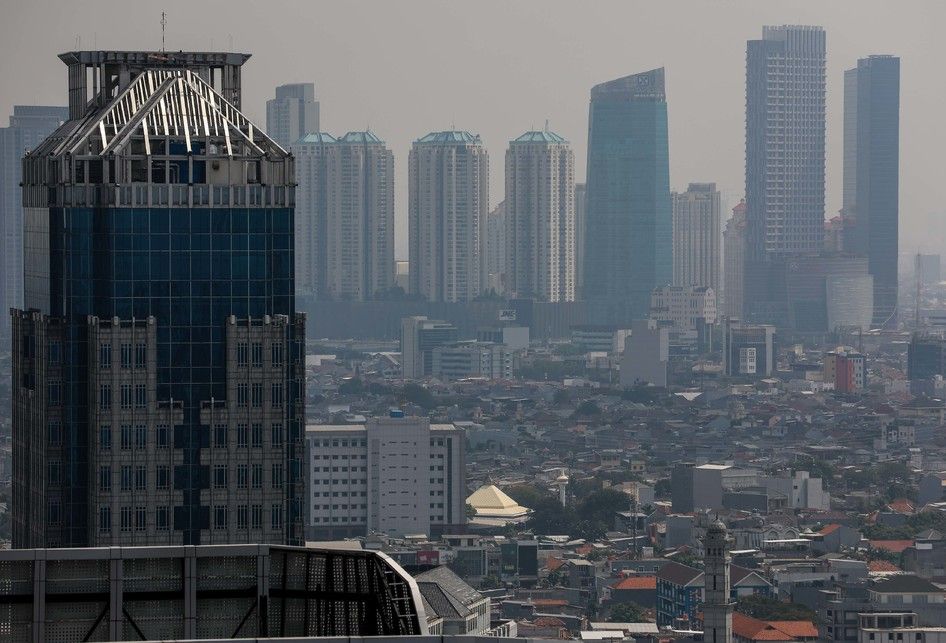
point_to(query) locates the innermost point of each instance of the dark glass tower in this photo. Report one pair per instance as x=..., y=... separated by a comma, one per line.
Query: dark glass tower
x=872, y=173
x=158, y=361
x=628, y=229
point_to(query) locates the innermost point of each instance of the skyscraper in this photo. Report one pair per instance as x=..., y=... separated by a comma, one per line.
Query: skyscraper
x=448, y=203
x=496, y=248
x=344, y=216
x=292, y=114
x=871, y=174
x=540, y=221
x=29, y=125
x=158, y=375
x=580, y=218
x=785, y=134
x=696, y=236
x=734, y=256
x=628, y=243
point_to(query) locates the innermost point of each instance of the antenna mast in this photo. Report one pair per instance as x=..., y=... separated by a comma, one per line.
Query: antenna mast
x=164, y=22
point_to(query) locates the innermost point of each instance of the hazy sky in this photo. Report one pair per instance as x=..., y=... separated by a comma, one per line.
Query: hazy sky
x=500, y=67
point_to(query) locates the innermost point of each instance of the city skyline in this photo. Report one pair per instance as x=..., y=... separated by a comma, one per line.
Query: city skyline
x=709, y=148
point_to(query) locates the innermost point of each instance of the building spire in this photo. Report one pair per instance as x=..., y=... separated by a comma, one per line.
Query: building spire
x=164, y=24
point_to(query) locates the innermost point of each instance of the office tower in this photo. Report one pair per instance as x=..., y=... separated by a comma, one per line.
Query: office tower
x=846, y=369
x=540, y=221
x=785, y=134
x=628, y=243
x=460, y=360
x=580, y=210
x=344, y=216
x=410, y=478
x=496, y=248
x=448, y=202
x=292, y=114
x=158, y=375
x=718, y=604
x=928, y=267
x=872, y=172
x=926, y=356
x=734, y=254
x=697, y=236
x=419, y=337
x=688, y=312
x=748, y=349
x=29, y=125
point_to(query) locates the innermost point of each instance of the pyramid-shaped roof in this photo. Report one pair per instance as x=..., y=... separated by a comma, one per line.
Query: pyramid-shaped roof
x=490, y=501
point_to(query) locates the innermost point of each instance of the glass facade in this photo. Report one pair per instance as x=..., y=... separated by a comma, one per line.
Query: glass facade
x=628, y=239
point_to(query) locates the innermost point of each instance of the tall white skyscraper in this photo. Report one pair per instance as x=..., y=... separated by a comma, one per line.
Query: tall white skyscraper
x=540, y=221
x=734, y=251
x=449, y=200
x=292, y=114
x=344, y=216
x=697, y=236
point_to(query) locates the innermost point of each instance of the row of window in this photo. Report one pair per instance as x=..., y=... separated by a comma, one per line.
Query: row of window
x=247, y=517
x=136, y=518
x=252, y=354
x=136, y=437
x=253, y=396
x=126, y=352
x=245, y=474
x=139, y=400
x=134, y=477
x=247, y=435
x=327, y=507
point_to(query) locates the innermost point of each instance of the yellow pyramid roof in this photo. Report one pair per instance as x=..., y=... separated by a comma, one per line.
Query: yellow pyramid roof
x=490, y=501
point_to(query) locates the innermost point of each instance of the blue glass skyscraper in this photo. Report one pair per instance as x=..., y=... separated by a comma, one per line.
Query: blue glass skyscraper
x=628, y=241
x=158, y=383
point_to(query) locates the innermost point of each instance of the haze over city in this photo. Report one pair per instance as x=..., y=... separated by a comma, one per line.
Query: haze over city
x=500, y=68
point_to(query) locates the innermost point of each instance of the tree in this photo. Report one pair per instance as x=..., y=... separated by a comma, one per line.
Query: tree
x=470, y=512
x=627, y=613
x=587, y=409
x=765, y=608
x=417, y=394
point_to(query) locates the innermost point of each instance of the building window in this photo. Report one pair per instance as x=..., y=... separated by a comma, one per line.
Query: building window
x=105, y=437
x=53, y=472
x=257, y=517
x=257, y=355
x=220, y=436
x=126, y=355
x=276, y=435
x=161, y=521
x=141, y=436
x=242, y=514
x=105, y=397
x=141, y=396
x=54, y=434
x=126, y=519
x=141, y=355
x=220, y=476
x=242, y=437
x=126, y=396
x=242, y=354
x=276, y=517
x=162, y=476
x=243, y=475
x=276, y=355
x=162, y=436
x=242, y=395
x=257, y=435
x=105, y=478
x=105, y=355
x=277, y=475
x=141, y=478
x=126, y=436
x=220, y=517
x=55, y=352
x=141, y=519
x=54, y=392
x=257, y=395
x=277, y=395
x=126, y=477
x=105, y=520
x=257, y=476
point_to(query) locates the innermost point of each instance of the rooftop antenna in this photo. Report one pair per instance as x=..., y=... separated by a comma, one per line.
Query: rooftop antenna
x=164, y=24
x=546, y=126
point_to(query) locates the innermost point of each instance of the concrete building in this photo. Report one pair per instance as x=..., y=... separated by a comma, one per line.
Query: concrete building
x=463, y=610
x=688, y=312
x=800, y=489
x=29, y=125
x=628, y=241
x=748, y=350
x=872, y=175
x=785, y=159
x=711, y=480
x=134, y=410
x=496, y=249
x=580, y=234
x=513, y=337
x=448, y=191
x=846, y=369
x=734, y=257
x=344, y=216
x=697, y=236
x=292, y=114
x=717, y=603
x=472, y=359
x=540, y=217
x=395, y=475
x=220, y=592
x=896, y=626
x=646, y=354
x=599, y=338
x=419, y=337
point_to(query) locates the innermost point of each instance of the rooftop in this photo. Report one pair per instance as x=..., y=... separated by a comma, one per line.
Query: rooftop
x=452, y=136
x=544, y=136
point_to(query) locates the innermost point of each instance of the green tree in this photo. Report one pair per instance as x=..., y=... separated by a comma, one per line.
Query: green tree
x=772, y=609
x=627, y=613
x=417, y=394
